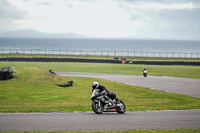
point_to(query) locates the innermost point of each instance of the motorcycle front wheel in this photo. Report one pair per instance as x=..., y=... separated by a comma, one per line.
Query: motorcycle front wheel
x=121, y=108
x=97, y=107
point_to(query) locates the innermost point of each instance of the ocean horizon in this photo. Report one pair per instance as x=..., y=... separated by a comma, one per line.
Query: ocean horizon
x=112, y=45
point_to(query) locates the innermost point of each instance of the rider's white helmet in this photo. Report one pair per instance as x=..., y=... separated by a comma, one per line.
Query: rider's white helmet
x=95, y=84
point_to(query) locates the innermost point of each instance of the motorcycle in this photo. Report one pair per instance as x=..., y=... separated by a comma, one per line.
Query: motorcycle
x=100, y=104
x=145, y=73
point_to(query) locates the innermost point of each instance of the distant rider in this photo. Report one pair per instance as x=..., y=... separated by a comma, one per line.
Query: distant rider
x=145, y=72
x=101, y=89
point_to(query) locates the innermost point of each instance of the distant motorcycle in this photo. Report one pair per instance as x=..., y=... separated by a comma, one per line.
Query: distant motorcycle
x=145, y=73
x=99, y=104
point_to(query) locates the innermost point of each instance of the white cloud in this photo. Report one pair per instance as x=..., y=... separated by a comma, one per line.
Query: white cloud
x=165, y=20
x=175, y=6
x=98, y=18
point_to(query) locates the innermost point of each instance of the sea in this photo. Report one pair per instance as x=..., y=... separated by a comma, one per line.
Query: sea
x=113, y=45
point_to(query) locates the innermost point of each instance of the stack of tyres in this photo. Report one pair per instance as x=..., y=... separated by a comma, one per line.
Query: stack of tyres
x=2, y=77
x=6, y=73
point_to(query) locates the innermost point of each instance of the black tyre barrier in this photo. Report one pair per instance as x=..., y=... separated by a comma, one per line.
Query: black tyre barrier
x=100, y=61
x=165, y=63
x=60, y=60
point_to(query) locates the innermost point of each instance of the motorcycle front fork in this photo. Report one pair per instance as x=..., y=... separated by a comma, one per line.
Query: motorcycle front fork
x=99, y=104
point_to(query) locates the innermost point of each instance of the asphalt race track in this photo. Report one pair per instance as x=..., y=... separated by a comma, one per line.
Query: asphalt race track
x=89, y=121
x=183, y=86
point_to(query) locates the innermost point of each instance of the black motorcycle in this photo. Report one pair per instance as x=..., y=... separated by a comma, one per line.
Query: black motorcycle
x=100, y=104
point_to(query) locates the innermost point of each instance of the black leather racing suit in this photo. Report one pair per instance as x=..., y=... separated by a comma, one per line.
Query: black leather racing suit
x=100, y=88
x=103, y=90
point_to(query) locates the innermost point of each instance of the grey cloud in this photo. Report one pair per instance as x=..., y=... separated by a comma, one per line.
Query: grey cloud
x=8, y=11
x=168, y=22
x=43, y=3
x=80, y=0
x=11, y=18
x=183, y=15
x=70, y=6
x=159, y=1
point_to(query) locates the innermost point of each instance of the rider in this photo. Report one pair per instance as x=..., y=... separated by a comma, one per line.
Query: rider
x=144, y=70
x=103, y=90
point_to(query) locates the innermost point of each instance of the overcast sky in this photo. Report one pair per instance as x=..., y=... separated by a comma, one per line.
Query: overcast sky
x=152, y=19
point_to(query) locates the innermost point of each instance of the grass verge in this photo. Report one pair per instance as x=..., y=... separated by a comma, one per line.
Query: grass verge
x=34, y=89
x=128, y=69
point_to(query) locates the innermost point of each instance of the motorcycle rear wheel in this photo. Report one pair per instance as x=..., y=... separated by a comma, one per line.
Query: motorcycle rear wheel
x=96, y=108
x=122, y=109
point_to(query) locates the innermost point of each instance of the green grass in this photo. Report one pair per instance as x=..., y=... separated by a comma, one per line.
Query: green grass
x=34, y=89
x=123, y=131
x=129, y=69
